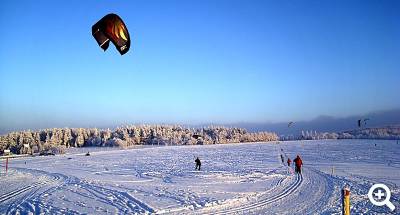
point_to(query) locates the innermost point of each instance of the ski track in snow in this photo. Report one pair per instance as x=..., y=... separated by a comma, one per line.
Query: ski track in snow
x=32, y=201
x=243, y=180
x=313, y=180
x=261, y=202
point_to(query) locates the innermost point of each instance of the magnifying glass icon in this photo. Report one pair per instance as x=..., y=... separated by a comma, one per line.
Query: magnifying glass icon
x=379, y=195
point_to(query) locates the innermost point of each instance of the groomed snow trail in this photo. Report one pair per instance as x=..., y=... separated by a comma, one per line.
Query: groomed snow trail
x=258, y=202
x=280, y=199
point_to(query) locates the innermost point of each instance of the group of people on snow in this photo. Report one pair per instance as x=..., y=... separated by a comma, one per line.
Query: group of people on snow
x=298, y=163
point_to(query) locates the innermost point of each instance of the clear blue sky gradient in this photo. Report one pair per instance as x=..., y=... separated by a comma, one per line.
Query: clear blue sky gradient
x=197, y=62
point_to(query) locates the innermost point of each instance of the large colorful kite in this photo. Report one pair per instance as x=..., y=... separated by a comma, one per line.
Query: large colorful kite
x=112, y=28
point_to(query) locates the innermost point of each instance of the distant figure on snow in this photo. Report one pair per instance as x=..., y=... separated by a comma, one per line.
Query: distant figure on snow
x=198, y=163
x=289, y=161
x=298, y=163
x=87, y=154
x=283, y=159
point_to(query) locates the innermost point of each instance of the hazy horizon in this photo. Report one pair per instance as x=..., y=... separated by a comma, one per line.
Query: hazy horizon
x=191, y=63
x=320, y=124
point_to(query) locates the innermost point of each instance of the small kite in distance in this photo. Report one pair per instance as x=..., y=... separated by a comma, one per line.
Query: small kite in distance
x=362, y=122
x=290, y=124
x=196, y=136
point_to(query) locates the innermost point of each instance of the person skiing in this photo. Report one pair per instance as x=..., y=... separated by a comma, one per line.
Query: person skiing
x=283, y=159
x=298, y=163
x=288, y=162
x=198, y=163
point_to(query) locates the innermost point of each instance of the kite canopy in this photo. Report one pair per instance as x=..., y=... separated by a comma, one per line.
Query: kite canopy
x=112, y=28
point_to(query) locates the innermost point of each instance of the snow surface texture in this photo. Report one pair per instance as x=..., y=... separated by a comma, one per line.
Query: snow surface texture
x=246, y=178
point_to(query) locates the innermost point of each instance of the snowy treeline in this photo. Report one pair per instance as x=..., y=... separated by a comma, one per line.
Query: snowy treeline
x=57, y=139
x=311, y=135
x=387, y=133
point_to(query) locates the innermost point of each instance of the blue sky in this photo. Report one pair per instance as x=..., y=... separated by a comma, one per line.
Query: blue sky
x=197, y=62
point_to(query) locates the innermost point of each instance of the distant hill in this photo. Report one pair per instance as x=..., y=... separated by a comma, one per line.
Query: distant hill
x=328, y=123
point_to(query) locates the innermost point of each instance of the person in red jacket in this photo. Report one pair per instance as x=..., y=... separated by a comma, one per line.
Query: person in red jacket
x=289, y=162
x=298, y=163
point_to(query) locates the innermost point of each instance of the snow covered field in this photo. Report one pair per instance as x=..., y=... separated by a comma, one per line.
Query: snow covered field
x=243, y=178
